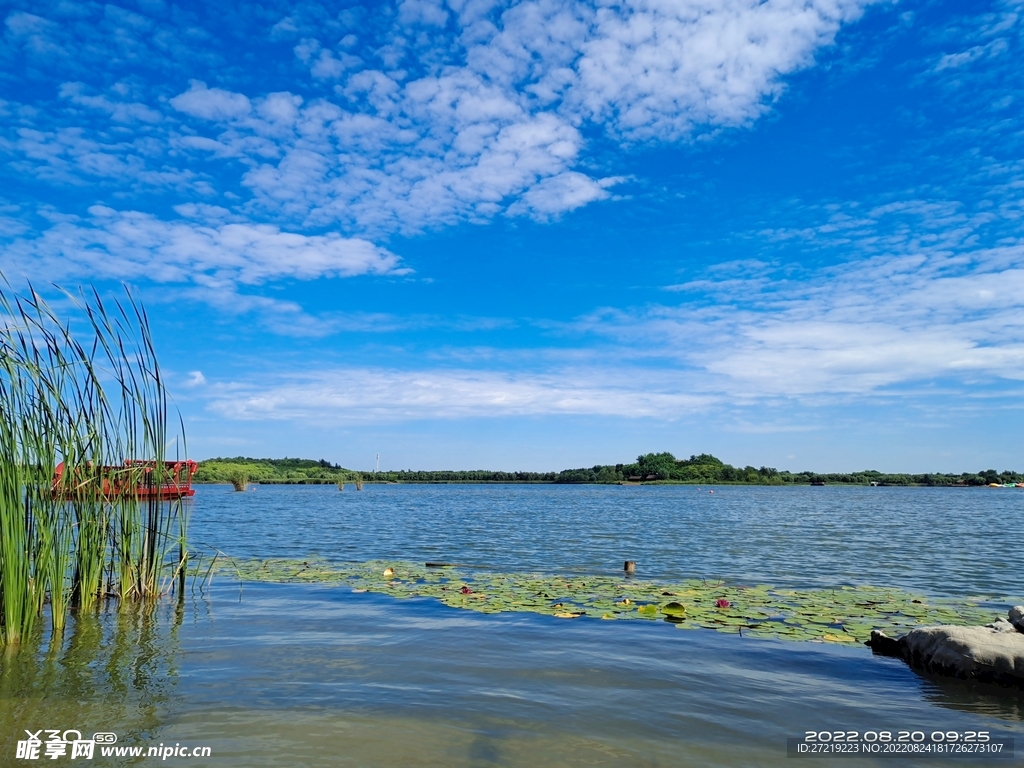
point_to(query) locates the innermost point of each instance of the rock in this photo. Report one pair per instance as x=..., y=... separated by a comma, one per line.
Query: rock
x=1017, y=617
x=993, y=653
x=1001, y=625
x=884, y=645
x=983, y=653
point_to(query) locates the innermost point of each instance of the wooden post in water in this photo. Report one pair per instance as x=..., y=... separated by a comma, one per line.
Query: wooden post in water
x=359, y=485
x=629, y=566
x=341, y=486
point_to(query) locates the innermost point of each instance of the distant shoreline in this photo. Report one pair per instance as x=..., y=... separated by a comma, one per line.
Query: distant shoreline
x=369, y=481
x=649, y=469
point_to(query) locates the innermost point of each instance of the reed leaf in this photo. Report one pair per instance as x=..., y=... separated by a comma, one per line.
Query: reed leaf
x=97, y=410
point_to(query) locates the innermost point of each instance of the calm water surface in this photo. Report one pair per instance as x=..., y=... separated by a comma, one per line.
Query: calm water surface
x=940, y=541
x=287, y=675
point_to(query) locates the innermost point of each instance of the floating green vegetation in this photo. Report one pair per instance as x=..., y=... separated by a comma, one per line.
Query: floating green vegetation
x=841, y=615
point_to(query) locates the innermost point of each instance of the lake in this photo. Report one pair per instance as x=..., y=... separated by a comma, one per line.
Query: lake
x=284, y=674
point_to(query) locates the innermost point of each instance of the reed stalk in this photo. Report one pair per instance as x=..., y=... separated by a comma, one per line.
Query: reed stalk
x=91, y=406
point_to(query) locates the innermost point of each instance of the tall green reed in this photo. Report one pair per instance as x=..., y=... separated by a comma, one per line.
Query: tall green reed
x=91, y=397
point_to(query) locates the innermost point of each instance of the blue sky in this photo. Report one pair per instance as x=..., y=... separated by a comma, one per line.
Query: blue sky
x=542, y=234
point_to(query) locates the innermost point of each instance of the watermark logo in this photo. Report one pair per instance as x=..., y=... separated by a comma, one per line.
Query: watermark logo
x=53, y=744
x=47, y=743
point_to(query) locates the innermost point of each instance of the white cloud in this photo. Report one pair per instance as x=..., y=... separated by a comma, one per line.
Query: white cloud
x=119, y=111
x=456, y=112
x=802, y=356
x=495, y=125
x=660, y=68
x=323, y=64
x=129, y=245
x=909, y=309
x=875, y=328
x=905, y=316
x=211, y=103
x=430, y=12
x=357, y=394
x=990, y=49
x=565, y=192
x=70, y=155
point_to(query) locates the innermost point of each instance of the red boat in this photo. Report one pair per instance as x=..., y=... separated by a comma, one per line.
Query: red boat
x=134, y=479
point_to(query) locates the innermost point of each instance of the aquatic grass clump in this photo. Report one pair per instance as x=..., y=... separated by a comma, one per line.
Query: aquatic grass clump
x=83, y=430
x=239, y=480
x=351, y=478
x=843, y=615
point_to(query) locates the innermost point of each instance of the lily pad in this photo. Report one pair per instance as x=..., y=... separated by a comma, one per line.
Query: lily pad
x=674, y=609
x=839, y=638
x=761, y=611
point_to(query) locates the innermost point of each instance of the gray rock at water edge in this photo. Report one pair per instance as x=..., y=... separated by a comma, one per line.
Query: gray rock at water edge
x=1001, y=625
x=1017, y=617
x=993, y=653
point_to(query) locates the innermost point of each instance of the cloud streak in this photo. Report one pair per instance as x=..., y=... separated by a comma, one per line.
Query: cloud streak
x=376, y=394
x=908, y=317
x=911, y=308
x=131, y=245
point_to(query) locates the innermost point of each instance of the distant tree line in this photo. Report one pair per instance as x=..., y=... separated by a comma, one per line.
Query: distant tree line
x=706, y=469
x=702, y=469
x=224, y=470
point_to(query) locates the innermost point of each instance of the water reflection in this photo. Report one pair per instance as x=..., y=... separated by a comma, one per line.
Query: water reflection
x=115, y=670
x=1004, y=702
x=319, y=676
x=363, y=679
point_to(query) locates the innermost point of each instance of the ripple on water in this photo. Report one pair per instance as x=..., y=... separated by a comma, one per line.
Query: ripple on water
x=940, y=541
x=317, y=676
x=510, y=689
